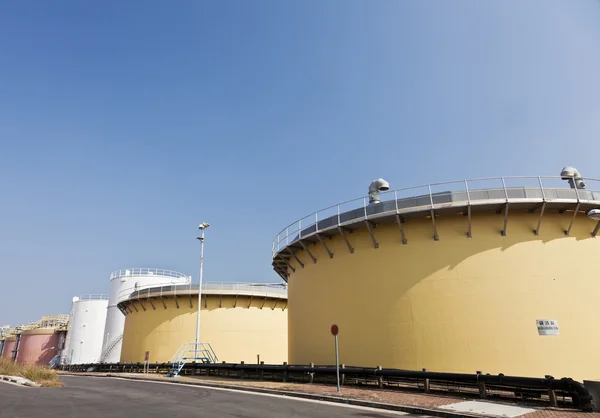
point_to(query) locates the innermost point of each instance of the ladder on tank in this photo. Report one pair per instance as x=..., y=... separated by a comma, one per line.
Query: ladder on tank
x=197, y=352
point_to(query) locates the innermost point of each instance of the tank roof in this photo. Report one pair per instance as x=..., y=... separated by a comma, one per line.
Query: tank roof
x=145, y=272
x=431, y=200
x=269, y=290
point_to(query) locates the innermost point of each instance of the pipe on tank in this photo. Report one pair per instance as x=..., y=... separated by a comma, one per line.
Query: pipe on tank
x=573, y=177
x=375, y=187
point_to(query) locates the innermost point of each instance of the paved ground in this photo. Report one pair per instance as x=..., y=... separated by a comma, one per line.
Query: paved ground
x=93, y=397
x=394, y=397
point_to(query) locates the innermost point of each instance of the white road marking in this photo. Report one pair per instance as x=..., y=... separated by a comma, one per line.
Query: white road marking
x=488, y=408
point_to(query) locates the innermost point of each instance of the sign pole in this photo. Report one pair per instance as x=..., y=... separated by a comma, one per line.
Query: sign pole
x=335, y=331
x=337, y=363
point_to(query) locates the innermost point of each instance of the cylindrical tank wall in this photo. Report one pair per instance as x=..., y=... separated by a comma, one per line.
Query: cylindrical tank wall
x=455, y=305
x=239, y=333
x=9, y=346
x=37, y=346
x=86, y=331
x=115, y=320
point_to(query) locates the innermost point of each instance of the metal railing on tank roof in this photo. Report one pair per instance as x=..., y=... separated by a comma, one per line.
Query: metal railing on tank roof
x=147, y=272
x=93, y=296
x=256, y=289
x=435, y=196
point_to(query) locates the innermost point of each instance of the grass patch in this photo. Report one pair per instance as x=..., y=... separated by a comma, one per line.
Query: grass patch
x=39, y=374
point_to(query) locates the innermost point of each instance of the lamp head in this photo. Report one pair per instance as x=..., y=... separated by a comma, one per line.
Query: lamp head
x=594, y=214
x=203, y=225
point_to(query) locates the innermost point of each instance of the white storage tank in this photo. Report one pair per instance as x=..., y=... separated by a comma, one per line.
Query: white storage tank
x=122, y=284
x=83, y=344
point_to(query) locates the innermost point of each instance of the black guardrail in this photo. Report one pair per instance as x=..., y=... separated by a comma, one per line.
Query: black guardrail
x=547, y=389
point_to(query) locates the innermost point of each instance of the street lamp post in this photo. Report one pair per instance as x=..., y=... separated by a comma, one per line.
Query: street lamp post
x=202, y=227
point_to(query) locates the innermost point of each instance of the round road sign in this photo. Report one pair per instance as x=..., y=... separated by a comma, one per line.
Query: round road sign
x=335, y=329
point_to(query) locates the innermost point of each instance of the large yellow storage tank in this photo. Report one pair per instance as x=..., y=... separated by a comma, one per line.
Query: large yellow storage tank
x=241, y=321
x=497, y=275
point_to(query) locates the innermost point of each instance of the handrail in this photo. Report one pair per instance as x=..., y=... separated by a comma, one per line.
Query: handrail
x=469, y=187
x=478, y=384
x=93, y=296
x=129, y=272
x=265, y=289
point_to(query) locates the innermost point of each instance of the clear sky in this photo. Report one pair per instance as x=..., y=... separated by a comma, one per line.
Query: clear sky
x=124, y=124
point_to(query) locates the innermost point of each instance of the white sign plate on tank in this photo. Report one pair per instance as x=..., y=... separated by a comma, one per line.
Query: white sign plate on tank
x=547, y=326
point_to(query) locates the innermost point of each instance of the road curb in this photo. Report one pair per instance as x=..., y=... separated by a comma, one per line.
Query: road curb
x=19, y=381
x=347, y=401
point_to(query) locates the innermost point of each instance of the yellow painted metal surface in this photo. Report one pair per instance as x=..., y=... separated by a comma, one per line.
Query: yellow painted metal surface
x=252, y=328
x=458, y=304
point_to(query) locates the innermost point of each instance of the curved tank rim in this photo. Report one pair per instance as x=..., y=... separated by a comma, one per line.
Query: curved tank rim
x=148, y=272
x=258, y=290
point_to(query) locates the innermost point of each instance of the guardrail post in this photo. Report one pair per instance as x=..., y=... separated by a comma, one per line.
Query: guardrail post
x=241, y=371
x=285, y=371
x=342, y=375
x=481, y=384
x=551, y=393
x=312, y=374
x=262, y=371
x=227, y=370
x=427, y=386
x=379, y=378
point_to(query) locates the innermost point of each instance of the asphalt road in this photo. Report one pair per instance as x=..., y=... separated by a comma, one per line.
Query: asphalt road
x=94, y=397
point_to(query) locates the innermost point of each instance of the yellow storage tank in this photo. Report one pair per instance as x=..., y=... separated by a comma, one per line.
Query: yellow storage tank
x=497, y=275
x=241, y=321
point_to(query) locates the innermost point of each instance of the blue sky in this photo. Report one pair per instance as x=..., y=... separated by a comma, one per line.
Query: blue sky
x=125, y=124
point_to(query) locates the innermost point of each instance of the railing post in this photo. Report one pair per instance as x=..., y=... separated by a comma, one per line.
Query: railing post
x=338, y=211
x=241, y=371
x=312, y=374
x=379, y=378
x=481, y=384
x=542, y=189
x=430, y=196
x=262, y=371
x=342, y=375
x=468, y=194
x=552, y=397
x=285, y=371
x=427, y=385
x=551, y=392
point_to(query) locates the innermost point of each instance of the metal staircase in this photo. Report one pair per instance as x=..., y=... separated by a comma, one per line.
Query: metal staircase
x=196, y=352
x=54, y=362
x=110, y=348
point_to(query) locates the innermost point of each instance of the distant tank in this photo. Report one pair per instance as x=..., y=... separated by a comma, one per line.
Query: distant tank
x=86, y=330
x=139, y=278
x=40, y=342
x=8, y=351
x=38, y=346
x=239, y=322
